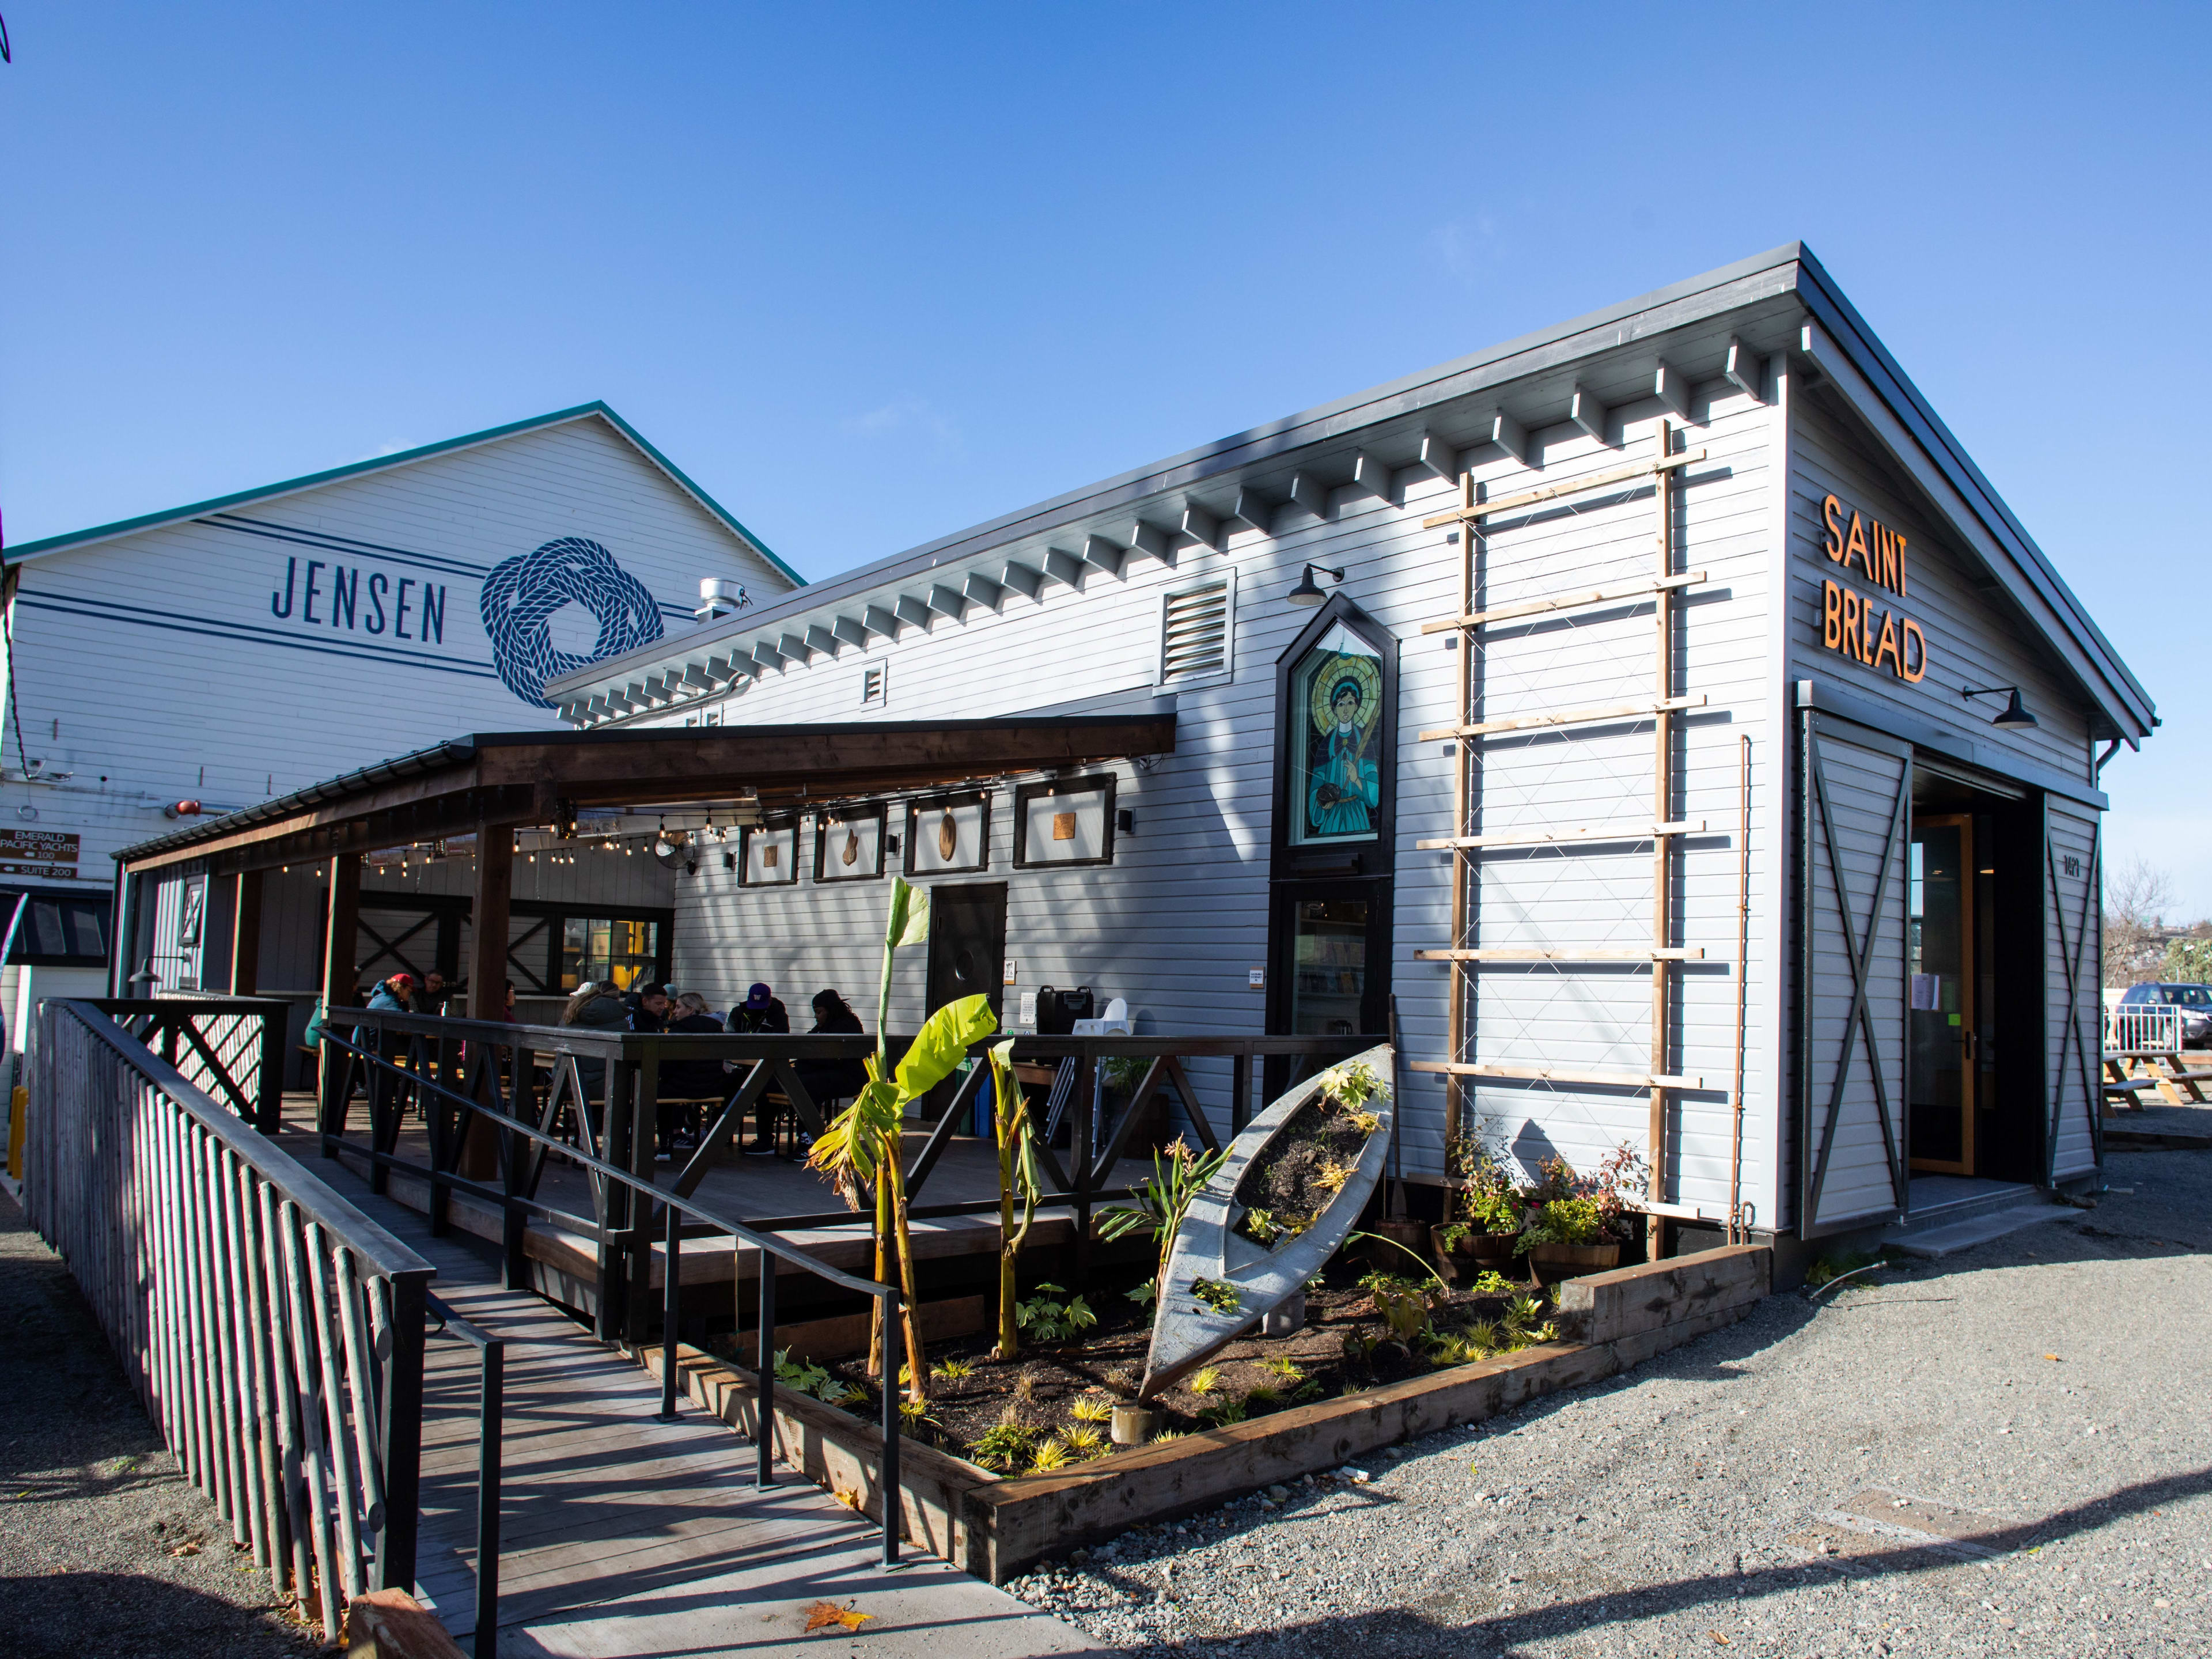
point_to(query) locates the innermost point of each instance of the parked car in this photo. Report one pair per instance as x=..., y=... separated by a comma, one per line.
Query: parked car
x=2194, y=1001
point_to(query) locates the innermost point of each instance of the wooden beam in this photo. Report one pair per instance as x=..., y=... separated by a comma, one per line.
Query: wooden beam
x=1024, y=580
x=1594, y=832
x=696, y=674
x=947, y=602
x=341, y=937
x=795, y=649
x=1200, y=525
x=1309, y=493
x=820, y=639
x=1587, y=413
x=1563, y=602
x=1617, y=711
x=1536, y=1073
x=850, y=629
x=1509, y=436
x=1103, y=554
x=1253, y=509
x=911, y=610
x=878, y=620
x=245, y=934
x=1152, y=541
x=983, y=590
x=1672, y=387
x=1372, y=474
x=1570, y=487
x=1588, y=953
x=1064, y=567
x=1438, y=458
x=1745, y=371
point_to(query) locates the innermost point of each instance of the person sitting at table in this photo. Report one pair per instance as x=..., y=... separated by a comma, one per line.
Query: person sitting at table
x=678, y=1128
x=594, y=1007
x=828, y=1082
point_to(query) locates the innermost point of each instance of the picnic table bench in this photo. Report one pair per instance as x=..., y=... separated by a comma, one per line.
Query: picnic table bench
x=2166, y=1070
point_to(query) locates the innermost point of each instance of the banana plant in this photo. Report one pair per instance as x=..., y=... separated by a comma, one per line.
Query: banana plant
x=862, y=1148
x=1017, y=1172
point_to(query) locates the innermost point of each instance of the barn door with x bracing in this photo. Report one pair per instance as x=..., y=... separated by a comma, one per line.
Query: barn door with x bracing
x=1851, y=1040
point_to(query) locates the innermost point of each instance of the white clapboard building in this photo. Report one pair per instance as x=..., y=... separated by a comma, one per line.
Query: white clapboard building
x=1477, y=678
x=185, y=665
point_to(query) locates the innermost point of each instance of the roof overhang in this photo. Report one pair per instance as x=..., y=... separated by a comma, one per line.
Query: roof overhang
x=510, y=779
x=1764, y=303
x=77, y=539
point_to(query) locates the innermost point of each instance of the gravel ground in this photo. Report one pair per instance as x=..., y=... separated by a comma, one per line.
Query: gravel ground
x=92, y=1509
x=2054, y=1381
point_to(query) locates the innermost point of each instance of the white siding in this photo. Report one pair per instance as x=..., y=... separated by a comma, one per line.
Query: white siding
x=152, y=668
x=1180, y=919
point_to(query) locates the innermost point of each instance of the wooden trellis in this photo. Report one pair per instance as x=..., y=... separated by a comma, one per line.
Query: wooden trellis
x=1664, y=831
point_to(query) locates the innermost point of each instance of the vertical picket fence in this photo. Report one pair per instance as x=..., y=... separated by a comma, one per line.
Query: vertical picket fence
x=274, y=1332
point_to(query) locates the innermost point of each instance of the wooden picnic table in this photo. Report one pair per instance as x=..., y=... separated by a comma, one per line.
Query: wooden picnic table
x=2166, y=1070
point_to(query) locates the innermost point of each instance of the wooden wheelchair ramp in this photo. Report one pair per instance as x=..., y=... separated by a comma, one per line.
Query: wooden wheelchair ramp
x=622, y=1536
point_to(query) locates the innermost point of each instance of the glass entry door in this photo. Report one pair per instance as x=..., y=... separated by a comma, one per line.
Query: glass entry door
x=1943, y=1001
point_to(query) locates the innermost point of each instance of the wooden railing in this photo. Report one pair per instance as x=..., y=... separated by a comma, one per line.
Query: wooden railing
x=272, y=1331
x=230, y=1048
x=403, y=1057
x=446, y=1072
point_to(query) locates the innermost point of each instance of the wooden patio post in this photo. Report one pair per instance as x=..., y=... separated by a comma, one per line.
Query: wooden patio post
x=341, y=976
x=494, y=890
x=245, y=935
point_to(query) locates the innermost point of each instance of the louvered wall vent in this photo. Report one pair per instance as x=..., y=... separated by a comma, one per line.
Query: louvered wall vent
x=1196, y=626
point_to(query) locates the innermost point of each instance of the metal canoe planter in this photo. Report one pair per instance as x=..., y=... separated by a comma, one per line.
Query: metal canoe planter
x=1219, y=1282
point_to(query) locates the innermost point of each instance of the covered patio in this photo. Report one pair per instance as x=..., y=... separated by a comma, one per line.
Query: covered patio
x=398, y=1095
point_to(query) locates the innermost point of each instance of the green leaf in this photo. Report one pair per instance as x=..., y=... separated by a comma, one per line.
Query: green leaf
x=908, y=922
x=942, y=1045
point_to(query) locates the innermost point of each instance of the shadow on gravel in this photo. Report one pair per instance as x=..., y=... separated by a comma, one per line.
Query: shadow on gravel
x=113, y=1615
x=1398, y=1631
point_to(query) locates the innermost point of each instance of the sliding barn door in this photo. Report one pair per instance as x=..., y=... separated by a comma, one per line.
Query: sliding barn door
x=2073, y=934
x=1857, y=799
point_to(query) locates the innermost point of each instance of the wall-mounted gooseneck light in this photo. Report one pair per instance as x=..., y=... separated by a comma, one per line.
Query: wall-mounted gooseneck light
x=1308, y=594
x=2012, y=717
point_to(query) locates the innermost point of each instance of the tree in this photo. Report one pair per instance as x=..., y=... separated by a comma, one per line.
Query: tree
x=863, y=1149
x=1017, y=1172
x=2188, y=960
x=2138, y=895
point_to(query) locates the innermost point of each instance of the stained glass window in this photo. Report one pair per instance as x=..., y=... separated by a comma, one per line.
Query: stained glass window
x=1337, y=770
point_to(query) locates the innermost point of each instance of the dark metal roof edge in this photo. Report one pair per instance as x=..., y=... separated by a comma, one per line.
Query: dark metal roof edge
x=457, y=750
x=452, y=752
x=1271, y=439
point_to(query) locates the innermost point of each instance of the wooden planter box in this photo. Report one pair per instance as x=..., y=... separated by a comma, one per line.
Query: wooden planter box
x=998, y=1528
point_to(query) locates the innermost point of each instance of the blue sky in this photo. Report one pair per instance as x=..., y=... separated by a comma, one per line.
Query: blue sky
x=871, y=273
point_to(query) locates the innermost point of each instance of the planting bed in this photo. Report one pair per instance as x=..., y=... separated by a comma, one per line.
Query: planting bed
x=1345, y=1348
x=998, y=1525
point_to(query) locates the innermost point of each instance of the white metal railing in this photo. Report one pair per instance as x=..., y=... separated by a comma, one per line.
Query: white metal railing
x=273, y=1331
x=2139, y=1026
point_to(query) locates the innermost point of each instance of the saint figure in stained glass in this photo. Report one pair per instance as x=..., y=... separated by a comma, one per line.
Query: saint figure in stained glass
x=1338, y=690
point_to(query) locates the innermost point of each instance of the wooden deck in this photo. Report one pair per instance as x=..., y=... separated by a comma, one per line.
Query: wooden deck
x=748, y=1188
x=624, y=1535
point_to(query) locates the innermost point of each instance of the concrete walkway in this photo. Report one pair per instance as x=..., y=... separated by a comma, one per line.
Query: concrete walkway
x=624, y=1535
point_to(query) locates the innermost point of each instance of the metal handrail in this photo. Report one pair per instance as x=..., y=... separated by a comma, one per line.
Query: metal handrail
x=491, y=1404
x=273, y=1332
x=885, y=1295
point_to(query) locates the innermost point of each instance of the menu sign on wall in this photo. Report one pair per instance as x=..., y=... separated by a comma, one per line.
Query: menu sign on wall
x=38, y=853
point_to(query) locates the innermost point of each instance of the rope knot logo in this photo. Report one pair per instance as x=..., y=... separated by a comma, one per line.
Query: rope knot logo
x=522, y=593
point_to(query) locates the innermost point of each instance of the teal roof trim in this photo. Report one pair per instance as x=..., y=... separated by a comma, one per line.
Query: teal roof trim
x=334, y=475
x=700, y=495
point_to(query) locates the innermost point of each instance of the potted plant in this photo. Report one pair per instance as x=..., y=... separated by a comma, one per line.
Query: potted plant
x=1484, y=1232
x=1577, y=1224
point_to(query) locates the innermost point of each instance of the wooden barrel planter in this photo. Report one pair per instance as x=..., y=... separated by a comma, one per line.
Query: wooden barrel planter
x=1476, y=1252
x=1549, y=1263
